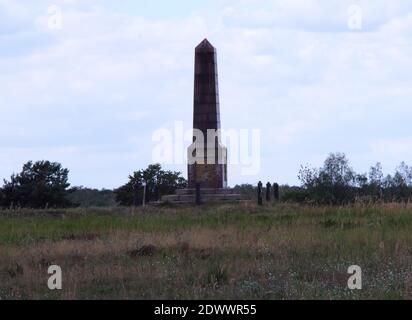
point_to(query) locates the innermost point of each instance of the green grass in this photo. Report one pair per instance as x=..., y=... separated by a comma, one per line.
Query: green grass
x=222, y=252
x=23, y=229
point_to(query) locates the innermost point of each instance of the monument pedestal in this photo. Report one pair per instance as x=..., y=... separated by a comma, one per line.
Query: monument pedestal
x=206, y=195
x=207, y=166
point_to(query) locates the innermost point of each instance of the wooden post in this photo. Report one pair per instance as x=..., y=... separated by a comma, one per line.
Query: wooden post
x=156, y=193
x=276, y=196
x=198, y=195
x=144, y=194
x=136, y=194
x=260, y=200
x=268, y=187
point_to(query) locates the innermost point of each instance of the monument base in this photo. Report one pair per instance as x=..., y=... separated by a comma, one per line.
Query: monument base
x=206, y=196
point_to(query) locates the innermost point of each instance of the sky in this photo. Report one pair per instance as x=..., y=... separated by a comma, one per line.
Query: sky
x=91, y=94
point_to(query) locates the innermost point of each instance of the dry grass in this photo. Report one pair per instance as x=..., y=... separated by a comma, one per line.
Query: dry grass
x=224, y=252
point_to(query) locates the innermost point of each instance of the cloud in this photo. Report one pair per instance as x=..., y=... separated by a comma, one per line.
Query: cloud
x=99, y=87
x=311, y=15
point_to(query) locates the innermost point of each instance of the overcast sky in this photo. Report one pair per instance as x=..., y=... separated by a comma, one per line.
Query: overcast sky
x=91, y=94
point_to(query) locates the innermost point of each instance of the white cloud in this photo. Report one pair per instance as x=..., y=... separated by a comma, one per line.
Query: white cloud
x=311, y=85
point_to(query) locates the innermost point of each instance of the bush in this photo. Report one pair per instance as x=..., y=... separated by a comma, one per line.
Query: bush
x=158, y=183
x=85, y=197
x=295, y=194
x=40, y=184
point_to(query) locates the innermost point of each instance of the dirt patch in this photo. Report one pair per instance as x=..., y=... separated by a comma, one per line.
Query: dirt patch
x=15, y=270
x=144, y=251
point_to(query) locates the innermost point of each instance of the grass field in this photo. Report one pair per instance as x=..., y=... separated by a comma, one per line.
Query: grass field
x=212, y=252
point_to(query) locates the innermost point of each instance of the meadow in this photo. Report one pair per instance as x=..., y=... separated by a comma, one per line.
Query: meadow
x=231, y=251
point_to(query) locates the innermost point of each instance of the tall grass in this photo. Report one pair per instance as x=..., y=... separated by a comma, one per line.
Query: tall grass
x=229, y=251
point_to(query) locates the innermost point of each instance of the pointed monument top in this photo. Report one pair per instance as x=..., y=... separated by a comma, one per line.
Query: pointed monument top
x=205, y=46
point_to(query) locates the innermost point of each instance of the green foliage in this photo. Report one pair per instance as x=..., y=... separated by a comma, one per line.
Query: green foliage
x=86, y=197
x=40, y=184
x=248, y=191
x=31, y=225
x=294, y=194
x=333, y=183
x=228, y=252
x=217, y=275
x=337, y=183
x=158, y=183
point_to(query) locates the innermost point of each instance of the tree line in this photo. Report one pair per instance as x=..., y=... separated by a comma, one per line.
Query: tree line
x=44, y=184
x=337, y=183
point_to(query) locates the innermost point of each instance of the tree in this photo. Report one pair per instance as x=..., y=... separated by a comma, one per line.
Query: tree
x=158, y=183
x=336, y=171
x=2, y=199
x=399, y=186
x=376, y=175
x=403, y=175
x=375, y=184
x=39, y=185
x=333, y=183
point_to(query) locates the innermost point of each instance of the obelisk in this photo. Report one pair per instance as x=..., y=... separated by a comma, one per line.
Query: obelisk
x=210, y=168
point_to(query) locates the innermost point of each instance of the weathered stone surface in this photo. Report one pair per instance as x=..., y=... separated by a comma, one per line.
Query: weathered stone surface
x=210, y=171
x=207, y=195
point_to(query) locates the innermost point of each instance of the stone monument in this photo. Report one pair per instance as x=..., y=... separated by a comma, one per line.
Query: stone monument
x=207, y=157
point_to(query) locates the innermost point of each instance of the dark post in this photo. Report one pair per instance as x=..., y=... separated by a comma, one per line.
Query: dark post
x=148, y=193
x=268, y=187
x=144, y=194
x=136, y=194
x=276, y=192
x=156, y=192
x=198, y=197
x=260, y=200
